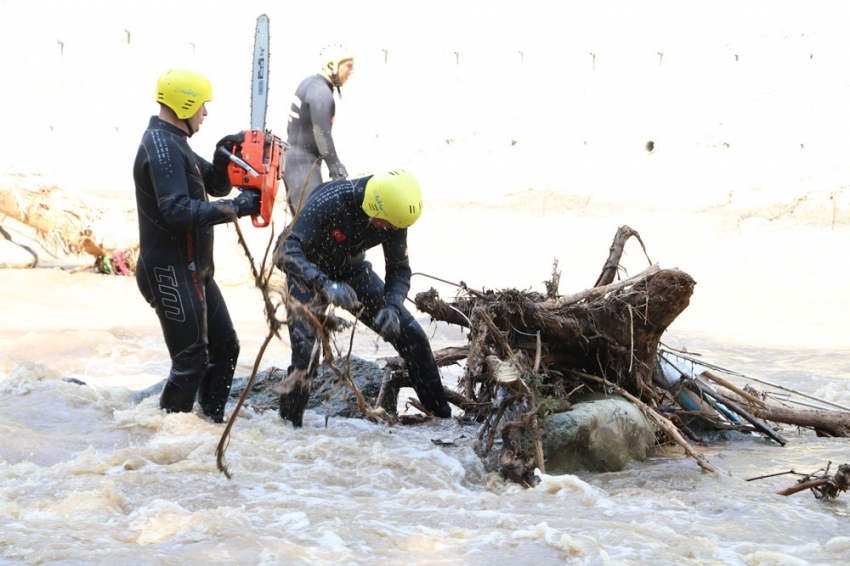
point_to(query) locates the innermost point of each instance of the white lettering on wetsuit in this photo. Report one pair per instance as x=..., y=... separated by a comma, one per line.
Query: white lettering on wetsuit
x=172, y=306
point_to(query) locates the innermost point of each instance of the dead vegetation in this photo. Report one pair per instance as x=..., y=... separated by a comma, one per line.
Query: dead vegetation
x=820, y=483
x=529, y=355
x=66, y=225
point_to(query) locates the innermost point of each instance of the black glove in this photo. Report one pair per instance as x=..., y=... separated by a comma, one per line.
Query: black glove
x=248, y=202
x=388, y=323
x=340, y=294
x=338, y=172
x=225, y=144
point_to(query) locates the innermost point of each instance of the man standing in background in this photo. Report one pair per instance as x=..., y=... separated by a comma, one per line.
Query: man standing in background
x=311, y=118
x=175, y=268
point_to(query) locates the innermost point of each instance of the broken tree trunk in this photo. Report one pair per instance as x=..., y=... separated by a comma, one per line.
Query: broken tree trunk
x=824, y=423
x=526, y=349
x=613, y=332
x=64, y=225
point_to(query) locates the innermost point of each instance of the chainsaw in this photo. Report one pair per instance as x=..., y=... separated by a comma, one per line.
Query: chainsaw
x=256, y=163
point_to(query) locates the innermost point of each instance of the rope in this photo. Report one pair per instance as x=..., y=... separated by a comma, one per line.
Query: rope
x=460, y=285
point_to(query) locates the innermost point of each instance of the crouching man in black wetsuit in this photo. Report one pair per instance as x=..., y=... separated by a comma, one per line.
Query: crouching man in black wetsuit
x=323, y=254
x=311, y=118
x=175, y=267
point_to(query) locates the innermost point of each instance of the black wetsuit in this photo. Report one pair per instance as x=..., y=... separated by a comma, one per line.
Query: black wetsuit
x=309, y=137
x=328, y=242
x=175, y=268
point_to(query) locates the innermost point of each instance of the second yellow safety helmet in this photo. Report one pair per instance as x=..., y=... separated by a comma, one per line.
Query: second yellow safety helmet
x=393, y=196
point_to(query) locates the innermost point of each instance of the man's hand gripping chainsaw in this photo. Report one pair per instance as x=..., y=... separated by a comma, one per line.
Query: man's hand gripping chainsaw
x=255, y=164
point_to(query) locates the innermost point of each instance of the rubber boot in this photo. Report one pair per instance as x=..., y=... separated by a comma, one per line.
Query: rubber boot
x=414, y=348
x=433, y=397
x=214, y=389
x=295, y=396
x=187, y=369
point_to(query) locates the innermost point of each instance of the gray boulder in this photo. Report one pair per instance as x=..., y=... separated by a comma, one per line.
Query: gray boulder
x=599, y=434
x=329, y=396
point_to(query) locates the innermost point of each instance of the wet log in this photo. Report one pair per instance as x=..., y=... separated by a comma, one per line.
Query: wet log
x=58, y=216
x=825, y=423
x=527, y=348
x=824, y=487
x=451, y=355
x=612, y=331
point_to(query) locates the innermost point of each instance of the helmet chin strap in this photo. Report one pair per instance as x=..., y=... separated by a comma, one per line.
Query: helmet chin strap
x=334, y=77
x=189, y=125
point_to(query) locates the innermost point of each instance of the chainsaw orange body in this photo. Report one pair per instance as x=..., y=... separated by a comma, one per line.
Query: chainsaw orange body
x=258, y=167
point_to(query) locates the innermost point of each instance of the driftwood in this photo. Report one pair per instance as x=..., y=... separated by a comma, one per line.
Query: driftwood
x=824, y=423
x=748, y=397
x=759, y=408
x=822, y=486
x=527, y=350
x=613, y=330
x=530, y=353
x=64, y=225
x=612, y=264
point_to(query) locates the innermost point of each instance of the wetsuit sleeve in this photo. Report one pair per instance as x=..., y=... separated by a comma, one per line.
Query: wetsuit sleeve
x=293, y=260
x=322, y=109
x=216, y=182
x=397, y=277
x=170, y=179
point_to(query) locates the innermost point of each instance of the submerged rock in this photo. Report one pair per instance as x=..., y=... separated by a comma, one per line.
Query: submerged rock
x=329, y=396
x=137, y=397
x=599, y=434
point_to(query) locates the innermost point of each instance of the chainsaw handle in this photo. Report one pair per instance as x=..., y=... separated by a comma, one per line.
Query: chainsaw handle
x=259, y=222
x=240, y=162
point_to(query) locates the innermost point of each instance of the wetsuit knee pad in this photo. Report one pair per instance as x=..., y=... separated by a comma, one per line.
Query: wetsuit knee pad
x=227, y=349
x=187, y=369
x=301, y=340
x=413, y=343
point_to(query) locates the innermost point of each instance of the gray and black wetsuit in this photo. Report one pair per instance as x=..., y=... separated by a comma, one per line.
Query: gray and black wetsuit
x=175, y=267
x=328, y=241
x=309, y=137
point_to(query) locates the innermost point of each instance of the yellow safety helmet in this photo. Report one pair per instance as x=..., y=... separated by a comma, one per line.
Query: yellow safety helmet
x=393, y=196
x=331, y=56
x=183, y=91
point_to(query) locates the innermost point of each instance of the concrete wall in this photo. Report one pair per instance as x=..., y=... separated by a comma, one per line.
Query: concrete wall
x=483, y=99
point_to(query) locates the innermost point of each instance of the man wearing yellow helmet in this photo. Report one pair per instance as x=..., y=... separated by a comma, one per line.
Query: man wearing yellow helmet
x=323, y=255
x=175, y=267
x=311, y=118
